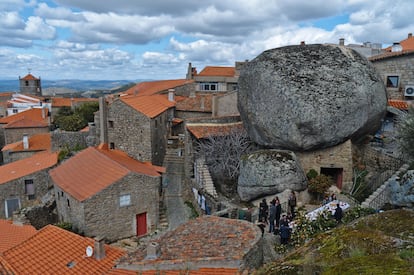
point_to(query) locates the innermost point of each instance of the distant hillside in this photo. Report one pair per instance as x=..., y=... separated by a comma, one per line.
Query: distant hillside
x=72, y=85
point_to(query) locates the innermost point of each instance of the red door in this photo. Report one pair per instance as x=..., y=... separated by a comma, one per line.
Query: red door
x=339, y=178
x=141, y=224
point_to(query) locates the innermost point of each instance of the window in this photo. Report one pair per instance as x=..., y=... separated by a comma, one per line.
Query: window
x=124, y=200
x=29, y=189
x=392, y=81
x=111, y=145
x=15, y=111
x=68, y=202
x=209, y=86
x=11, y=205
x=111, y=123
x=26, y=83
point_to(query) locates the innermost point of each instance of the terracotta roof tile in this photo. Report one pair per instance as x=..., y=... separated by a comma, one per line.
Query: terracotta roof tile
x=387, y=55
x=34, y=114
x=27, y=166
x=67, y=102
x=205, y=239
x=199, y=271
x=52, y=249
x=12, y=234
x=29, y=77
x=198, y=103
x=154, y=87
x=150, y=106
x=399, y=104
x=93, y=169
x=205, y=130
x=26, y=123
x=37, y=142
x=5, y=268
x=218, y=71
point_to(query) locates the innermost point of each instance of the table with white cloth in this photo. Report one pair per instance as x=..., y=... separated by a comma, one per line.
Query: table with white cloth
x=330, y=206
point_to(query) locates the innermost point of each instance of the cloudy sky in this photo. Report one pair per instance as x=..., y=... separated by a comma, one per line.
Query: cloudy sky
x=156, y=39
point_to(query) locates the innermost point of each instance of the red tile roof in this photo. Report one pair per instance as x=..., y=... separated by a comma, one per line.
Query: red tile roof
x=68, y=102
x=154, y=87
x=12, y=234
x=29, y=77
x=150, y=106
x=27, y=166
x=92, y=170
x=201, y=240
x=217, y=71
x=25, y=123
x=35, y=114
x=387, y=55
x=205, y=130
x=198, y=103
x=399, y=104
x=37, y=142
x=53, y=250
x=199, y=271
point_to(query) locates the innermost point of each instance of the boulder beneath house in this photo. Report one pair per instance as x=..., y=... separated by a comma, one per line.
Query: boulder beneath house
x=268, y=172
x=308, y=97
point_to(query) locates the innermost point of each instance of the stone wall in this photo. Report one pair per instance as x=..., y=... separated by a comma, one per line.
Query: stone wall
x=403, y=67
x=16, y=134
x=377, y=161
x=10, y=156
x=102, y=215
x=71, y=140
x=129, y=131
x=225, y=105
x=339, y=156
x=16, y=189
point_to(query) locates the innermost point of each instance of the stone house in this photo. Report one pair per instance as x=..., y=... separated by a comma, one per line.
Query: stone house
x=24, y=182
x=140, y=125
x=27, y=147
x=53, y=250
x=206, y=245
x=29, y=122
x=99, y=187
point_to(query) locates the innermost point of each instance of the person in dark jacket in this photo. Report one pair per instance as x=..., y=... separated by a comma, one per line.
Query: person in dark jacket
x=278, y=212
x=338, y=213
x=284, y=233
x=263, y=210
x=272, y=217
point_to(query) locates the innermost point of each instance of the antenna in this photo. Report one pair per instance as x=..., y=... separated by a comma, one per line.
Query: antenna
x=89, y=251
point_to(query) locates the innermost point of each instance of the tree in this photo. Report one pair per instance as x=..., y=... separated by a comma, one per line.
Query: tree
x=223, y=153
x=405, y=134
x=320, y=184
x=74, y=120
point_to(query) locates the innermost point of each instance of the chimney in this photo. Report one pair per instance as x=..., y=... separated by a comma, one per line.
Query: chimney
x=302, y=43
x=103, y=120
x=43, y=113
x=99, y=248
x=153, y=250
x=410, y=35
x=25, y=141
x=171, y=93
x=396, y=47
x=341, y=41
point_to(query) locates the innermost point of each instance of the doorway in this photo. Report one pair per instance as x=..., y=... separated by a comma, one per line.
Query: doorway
x=141, y=224
x=335, y=173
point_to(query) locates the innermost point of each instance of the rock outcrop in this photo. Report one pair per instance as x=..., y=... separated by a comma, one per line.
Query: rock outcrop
x=402, y=190
x=308, y=97
x=268, y=172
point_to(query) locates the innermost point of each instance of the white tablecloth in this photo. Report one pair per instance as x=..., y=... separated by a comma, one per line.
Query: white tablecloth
x=331, y=206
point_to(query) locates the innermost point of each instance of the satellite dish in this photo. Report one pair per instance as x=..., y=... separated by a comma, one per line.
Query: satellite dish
x=89, y=251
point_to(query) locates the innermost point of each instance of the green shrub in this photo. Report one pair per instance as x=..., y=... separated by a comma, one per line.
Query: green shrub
x=311, y=174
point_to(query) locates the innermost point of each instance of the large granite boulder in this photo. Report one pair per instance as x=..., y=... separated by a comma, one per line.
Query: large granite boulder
x=268, y=172
x=308, y=97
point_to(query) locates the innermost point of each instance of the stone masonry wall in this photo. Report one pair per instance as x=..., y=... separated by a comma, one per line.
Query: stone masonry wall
x=377, y=161
x=129, y=131
x=16, y=189
x=403, y=67
x=225, y=105
x=339, y=156
x=16, y=134
x=115, y=222
x=72, y=140
x=9, y=156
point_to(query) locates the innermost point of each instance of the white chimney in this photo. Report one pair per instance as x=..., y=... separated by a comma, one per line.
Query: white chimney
x=396, y=47
x=99, y=248
x=43, y=113
x=25, y=141
x=171, y=93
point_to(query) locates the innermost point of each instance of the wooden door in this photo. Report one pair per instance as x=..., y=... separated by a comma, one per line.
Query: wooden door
x=141, y=224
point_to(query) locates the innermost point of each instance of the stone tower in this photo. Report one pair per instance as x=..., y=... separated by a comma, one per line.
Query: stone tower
x=30, y=85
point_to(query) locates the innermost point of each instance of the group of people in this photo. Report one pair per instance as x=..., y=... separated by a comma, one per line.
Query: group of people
x=272, y=215
x=327, y=199
x=338, y=210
